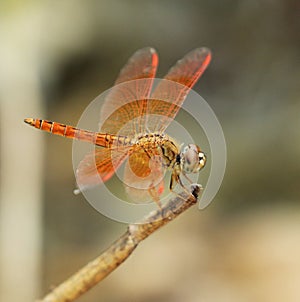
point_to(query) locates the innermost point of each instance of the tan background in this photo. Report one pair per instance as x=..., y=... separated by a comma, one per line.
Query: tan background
x=56, y=57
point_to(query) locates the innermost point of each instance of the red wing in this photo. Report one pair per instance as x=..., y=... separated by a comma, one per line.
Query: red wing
x=142, y=173
x=99, y=166
x=171, y=92
x=134, y=83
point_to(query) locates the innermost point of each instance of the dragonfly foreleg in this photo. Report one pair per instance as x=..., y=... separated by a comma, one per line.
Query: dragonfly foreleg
x=188, y=179
x=175, y=179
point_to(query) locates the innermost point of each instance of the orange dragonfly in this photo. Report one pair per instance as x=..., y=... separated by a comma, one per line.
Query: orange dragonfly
x=134, y=124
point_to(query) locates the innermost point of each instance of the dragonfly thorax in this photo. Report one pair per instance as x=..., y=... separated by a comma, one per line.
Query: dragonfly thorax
x=159, y=146
x=192, y=159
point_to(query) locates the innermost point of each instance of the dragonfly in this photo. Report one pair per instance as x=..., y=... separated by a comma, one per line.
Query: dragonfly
x=134, y=118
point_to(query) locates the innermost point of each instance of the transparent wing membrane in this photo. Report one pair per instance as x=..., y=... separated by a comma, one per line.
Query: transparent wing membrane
x=171, y=92
x=127, y=100
x=143, y=177
x=99, y=166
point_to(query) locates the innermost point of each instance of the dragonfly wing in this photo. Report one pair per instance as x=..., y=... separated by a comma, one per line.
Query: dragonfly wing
x=142, y=64
x=99, y=166
x=142, y=173
x=171, y=92
x=125, y=105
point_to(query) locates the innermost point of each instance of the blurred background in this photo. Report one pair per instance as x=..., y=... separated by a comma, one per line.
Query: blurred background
x=56, y=56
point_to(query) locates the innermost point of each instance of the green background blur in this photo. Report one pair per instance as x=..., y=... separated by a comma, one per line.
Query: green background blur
x=57, y=56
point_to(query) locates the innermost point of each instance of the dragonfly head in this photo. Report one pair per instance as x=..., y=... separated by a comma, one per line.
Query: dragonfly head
x=192, y=159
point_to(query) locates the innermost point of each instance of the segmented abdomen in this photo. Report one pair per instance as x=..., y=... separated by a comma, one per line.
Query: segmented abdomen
x=99, y=139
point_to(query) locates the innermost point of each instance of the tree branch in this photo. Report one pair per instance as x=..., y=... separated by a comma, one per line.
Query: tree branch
x=120, y=250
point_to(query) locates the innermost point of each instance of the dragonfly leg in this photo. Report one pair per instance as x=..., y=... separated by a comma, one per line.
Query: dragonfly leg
x=174, y=180
x=189, y=180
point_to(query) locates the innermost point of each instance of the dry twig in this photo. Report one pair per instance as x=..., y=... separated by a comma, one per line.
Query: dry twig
x=120, y=250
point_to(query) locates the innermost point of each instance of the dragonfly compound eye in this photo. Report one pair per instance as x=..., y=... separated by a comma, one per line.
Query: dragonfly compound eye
x=192, y=159
x=202, y=160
